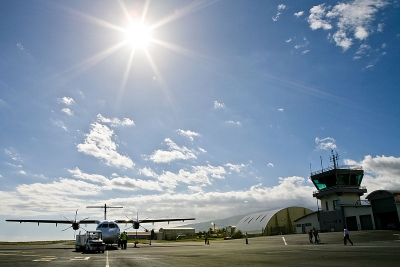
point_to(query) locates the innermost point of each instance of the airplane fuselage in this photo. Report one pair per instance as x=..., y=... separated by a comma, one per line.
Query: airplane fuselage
x=110, y=231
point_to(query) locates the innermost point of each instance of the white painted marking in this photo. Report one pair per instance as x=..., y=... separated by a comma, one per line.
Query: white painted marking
x=80, y=259
x=47, y=258
x=107, y=263
x=284, y=240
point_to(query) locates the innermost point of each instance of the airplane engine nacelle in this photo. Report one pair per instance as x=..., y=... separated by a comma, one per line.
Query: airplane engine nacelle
x=135, y=225
x=75, y=226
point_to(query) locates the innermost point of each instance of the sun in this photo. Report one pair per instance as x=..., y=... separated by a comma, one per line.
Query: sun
x=137, y=35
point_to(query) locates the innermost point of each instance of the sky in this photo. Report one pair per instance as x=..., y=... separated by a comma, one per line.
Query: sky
x=204, y=109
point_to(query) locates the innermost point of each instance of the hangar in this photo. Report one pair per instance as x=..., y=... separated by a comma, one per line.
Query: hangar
x=272, y=222
x=386, y=207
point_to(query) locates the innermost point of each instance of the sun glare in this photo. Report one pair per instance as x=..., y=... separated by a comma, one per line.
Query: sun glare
x=137, y=35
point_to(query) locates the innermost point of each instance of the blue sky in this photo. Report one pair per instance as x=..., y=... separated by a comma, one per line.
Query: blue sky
x=219, y=110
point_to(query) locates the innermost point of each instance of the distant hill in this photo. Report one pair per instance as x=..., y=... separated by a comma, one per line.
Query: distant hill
x=221, y=223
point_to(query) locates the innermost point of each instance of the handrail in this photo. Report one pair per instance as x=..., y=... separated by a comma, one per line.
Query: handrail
x=339, y=186
x=343, y=167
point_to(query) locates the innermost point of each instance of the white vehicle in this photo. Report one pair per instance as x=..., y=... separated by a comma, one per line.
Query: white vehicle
x=90, y=241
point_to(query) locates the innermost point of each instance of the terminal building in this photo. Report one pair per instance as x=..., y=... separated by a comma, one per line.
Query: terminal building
x=340, y=206
x=338, y=192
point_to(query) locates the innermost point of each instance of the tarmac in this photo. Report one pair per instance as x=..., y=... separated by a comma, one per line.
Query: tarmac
x=371, y=248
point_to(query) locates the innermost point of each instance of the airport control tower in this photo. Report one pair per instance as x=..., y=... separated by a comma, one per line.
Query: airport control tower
x=339, y=190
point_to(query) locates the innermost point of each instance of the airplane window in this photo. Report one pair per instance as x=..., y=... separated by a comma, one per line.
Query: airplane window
x=105, y=225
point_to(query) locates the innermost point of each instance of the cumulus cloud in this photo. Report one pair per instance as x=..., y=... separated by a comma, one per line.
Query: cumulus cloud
x=299, y=14
x=67, y=100
x=202, y=175
x=235, y=167
x=121, y=183
x=218, y=105
x=327, y=143
x=351, y=20
x=174, y=153
x=280, y=7
x=68, y=111
x=380, y=172
x=115, y=122
x=189, y=134
x=316, y=18
x=98, y=143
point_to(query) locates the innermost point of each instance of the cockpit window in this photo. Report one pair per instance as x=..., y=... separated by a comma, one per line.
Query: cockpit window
x=112, y=225
x=105, y=225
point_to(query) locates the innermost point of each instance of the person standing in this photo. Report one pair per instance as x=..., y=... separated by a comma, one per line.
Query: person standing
x=316, y=236
x=310, y=235
x=124, y=240
x=346, y=237
x=247, y=241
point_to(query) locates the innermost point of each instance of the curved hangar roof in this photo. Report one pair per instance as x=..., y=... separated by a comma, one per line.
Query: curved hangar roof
x=272, y=222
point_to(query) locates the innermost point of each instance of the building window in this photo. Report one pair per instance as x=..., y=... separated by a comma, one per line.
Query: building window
x=336, y=204
x=326, y=205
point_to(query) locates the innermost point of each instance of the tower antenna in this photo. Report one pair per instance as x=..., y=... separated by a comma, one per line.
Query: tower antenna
x=334, y=158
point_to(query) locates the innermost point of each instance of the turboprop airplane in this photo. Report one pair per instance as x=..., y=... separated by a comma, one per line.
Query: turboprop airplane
x=109, y=228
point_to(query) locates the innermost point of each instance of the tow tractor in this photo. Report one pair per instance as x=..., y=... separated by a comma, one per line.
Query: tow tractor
x=90, y=241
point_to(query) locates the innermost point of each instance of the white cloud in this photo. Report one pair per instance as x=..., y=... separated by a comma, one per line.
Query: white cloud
x=281, y=7
x=202, y=175
x=67, y=100
x=218, y=105
x=380, y=172
x=235, y=167
x=380, y=27
x=315, y=19
x=60, y=124
x=115, y=122
x=174, y=153
x=289, y=40
x=68, y=111
x=234, y=122
x=299, y=14
x=276, y=17
x=189, y=134
x=280, y=109
x=325, y=143
x=354, y=17
x=20, y=46
x=98, y=143
x=270, y=165
x=148, y=172
x=121, y=183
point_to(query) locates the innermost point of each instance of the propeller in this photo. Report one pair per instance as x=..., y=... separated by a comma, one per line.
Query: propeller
x=75, y=223
x=136, y=225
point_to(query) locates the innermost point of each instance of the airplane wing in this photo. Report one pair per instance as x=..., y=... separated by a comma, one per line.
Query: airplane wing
x=55, y=221
x=155, y=220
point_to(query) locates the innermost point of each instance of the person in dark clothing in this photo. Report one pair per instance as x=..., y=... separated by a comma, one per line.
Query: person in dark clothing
x=316, y=236
x=346, y=237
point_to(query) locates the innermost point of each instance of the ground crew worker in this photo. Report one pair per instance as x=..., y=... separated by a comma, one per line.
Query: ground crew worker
x=124, y=240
